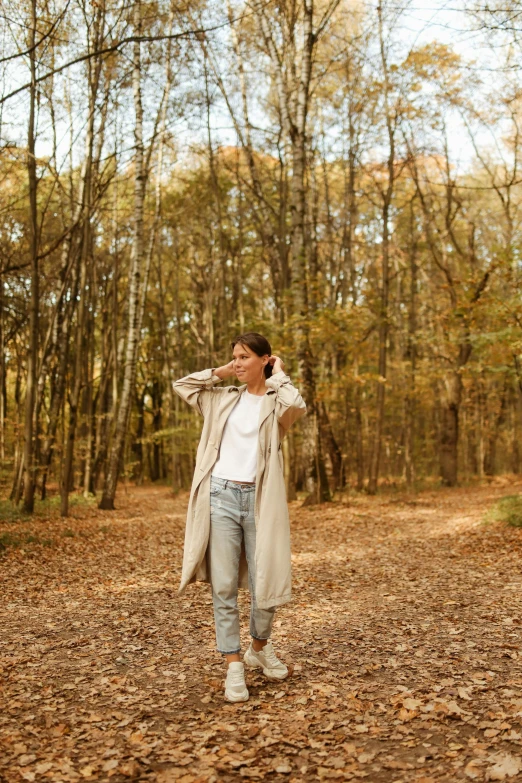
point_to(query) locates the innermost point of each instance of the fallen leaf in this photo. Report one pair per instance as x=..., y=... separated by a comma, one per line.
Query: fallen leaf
x=473, y=769
x=411, y=704
x=42, y=768
x=491, y=732
x=506, y=766
x=26, y=759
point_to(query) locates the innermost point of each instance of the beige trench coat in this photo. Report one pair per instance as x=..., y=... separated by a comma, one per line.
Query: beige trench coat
x=281, y=406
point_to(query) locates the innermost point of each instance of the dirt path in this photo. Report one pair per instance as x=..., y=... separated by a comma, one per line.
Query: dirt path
x=405, y=633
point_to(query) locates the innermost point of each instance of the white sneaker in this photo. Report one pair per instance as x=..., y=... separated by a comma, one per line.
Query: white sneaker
x=235, y=685
x=266, y=659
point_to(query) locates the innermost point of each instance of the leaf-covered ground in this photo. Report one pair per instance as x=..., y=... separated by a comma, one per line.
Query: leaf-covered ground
x=404, y=633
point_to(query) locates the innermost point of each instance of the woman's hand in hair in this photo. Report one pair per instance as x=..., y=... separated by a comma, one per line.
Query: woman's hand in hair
x=225, y=371
x=277, y=363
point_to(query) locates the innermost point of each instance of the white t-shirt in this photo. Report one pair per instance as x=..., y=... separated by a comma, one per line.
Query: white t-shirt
x=237, y=460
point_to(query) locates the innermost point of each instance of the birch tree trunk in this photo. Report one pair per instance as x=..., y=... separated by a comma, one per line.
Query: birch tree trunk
x=135, y=284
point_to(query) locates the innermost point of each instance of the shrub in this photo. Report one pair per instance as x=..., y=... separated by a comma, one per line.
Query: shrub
x=507, y=510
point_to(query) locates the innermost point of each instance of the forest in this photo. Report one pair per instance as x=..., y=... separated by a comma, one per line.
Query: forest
x=345, y=178
x=174, y=174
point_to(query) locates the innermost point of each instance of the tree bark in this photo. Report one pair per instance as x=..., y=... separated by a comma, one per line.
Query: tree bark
x=3, y=389
x=450, y=429
x=31, y=427
x=411, y=350
x=490, y=462
x=135, y=283
x=375, y=454
x=94, y=70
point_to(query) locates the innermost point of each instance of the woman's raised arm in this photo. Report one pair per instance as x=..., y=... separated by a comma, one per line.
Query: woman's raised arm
x=196, y=387
x=290, y=406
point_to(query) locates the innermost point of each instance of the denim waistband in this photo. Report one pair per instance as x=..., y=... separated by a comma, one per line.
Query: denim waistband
x=233, y=484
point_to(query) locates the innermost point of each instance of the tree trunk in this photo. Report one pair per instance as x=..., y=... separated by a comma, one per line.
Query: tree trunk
x=449, y=428
x=315, y=474
x=349, y=278
x=85, y=291
x=359, y=440
x=74, y=398
x=3, y=390
x=103, y=406
x=18, y=473
x=89, y=410
x=156, y=427
x=332, y=447
x=316, y=483
x=410, y=403
x=481, y=405
x=32, y=359
x=490, y=462
x=138, y=468
x=58, y=382
x=375, y=457
x=135, y=284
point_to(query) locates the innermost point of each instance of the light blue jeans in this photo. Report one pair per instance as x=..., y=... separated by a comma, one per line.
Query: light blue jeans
x=231, y=524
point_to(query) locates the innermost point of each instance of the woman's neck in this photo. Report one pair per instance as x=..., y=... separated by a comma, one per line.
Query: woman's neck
x=258, y=388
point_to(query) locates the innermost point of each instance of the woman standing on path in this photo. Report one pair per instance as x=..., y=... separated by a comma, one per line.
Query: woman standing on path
x=238, y=530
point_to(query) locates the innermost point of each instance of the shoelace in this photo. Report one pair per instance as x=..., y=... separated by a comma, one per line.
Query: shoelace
x=270, y=656
x=236, y=677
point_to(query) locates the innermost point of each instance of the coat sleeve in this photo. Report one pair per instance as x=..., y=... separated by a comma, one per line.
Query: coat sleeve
x=290, y=406
x=197, y=388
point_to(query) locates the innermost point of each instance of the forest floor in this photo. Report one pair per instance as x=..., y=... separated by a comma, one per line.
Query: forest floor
x=404, y=635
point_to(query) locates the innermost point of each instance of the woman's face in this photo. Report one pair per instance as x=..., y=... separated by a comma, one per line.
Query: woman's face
x=248, y=366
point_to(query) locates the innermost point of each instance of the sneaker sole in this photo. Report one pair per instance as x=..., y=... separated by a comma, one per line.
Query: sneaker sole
x=275, y=679
x=237, y=698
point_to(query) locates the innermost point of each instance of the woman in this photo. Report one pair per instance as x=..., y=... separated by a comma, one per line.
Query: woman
x=238, y=531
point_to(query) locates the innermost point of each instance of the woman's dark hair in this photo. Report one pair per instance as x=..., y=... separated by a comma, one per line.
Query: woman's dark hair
x=257, y=343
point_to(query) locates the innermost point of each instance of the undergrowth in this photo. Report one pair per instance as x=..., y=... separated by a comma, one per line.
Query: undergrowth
x=19, y=540
x=507, y=510
x=10, y=512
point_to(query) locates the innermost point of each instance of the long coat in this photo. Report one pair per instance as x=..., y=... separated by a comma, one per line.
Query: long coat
x=281, y=406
